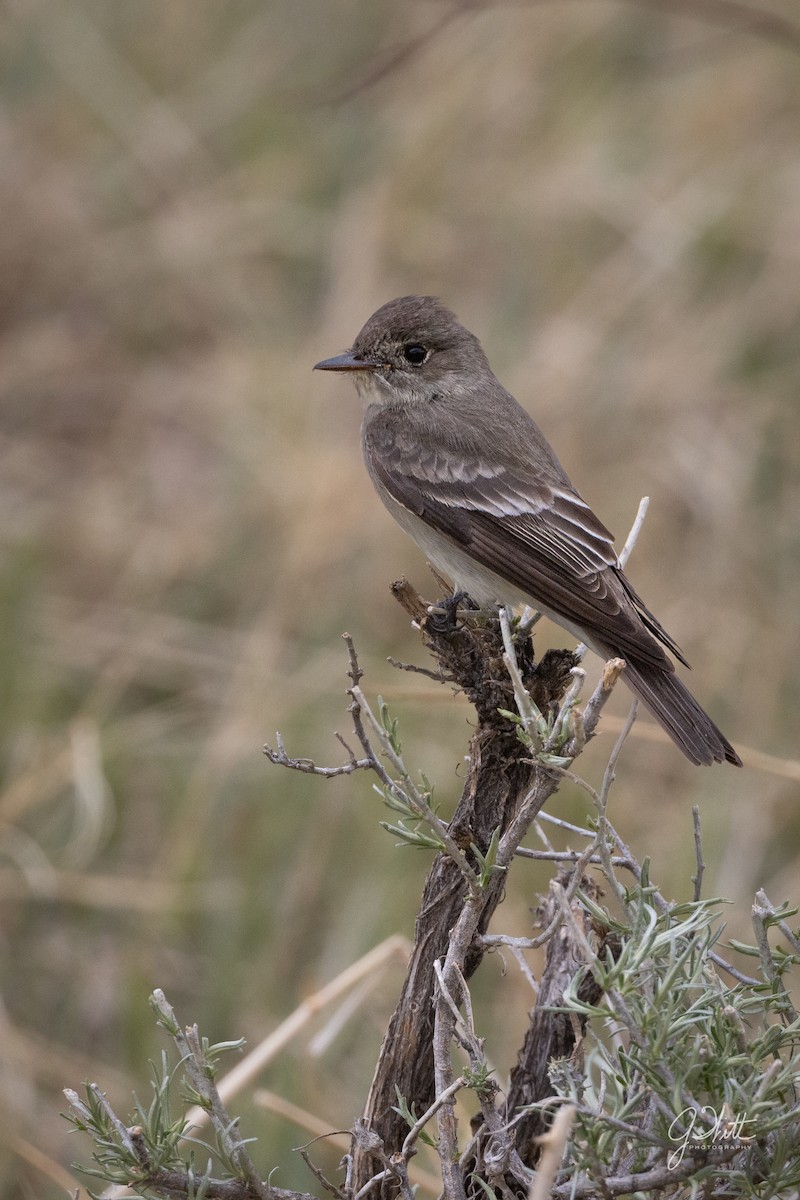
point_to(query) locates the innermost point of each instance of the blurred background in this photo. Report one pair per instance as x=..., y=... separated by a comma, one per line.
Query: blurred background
x=199, y=202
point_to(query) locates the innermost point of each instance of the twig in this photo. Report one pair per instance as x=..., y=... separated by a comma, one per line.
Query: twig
x=661, y=904
x=443, y=1031
x=416, y=1129
x=591, y=714
x=603, y=826
x=532, y=719
x=437, y=676
x=734, y=972
x=544, y=786
x=528, y=619
x=465, y=1025
x=570, y=714
x=790, y=936
x=504, y=1156
x=319, y=1176
x=772, y=1070
x=624, y=555
x=371, y=1183
x=567, y=856
x=448, y=1021
x=122, y=1132
x=763, y=909
x=566, y=895
x=697, y=878
x=568, y=825
x=281, y=759
x=645, y=1181
x=197, y=1068
x=407, y=793
x=522, y=963
x=635, y=530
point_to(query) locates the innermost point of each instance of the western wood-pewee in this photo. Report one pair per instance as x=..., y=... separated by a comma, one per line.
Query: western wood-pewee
x=468, y=473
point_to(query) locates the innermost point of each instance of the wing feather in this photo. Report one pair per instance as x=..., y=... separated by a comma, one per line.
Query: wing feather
x=540, y=536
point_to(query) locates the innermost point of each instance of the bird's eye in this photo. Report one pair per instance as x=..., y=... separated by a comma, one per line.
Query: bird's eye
x=415, y=354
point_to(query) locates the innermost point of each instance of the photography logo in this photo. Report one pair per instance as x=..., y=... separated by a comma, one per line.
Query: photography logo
x=706, y=1129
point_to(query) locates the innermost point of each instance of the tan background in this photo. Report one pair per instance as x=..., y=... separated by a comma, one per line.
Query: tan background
x=198, y=202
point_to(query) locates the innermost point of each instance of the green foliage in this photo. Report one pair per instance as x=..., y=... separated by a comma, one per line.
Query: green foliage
x=415, y=828
x=113, y=1154
x=410, y=1117
x=680, y=1074
x=479, y=1079
x=390, y=726
x=677, y=1063
x=537, y=731
x=152, y=1142
x=486, y=862
x=413, y=837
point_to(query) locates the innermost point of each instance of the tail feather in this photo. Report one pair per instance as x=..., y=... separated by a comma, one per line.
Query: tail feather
x=677, y=712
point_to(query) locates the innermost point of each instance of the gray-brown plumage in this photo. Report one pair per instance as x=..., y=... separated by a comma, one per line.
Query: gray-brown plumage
x=468, y=473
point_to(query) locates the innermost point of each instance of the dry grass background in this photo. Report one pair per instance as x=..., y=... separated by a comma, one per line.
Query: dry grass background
x=193, y=212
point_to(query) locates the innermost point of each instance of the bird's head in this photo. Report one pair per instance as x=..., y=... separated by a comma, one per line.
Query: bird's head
x=409, y=352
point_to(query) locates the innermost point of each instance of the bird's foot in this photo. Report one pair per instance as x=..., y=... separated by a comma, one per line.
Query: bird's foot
x=443, y=616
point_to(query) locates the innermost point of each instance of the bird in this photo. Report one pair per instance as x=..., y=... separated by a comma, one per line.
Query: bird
x=466, y=471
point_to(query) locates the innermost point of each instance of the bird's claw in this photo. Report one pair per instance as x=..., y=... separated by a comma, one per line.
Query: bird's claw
x=443, y=616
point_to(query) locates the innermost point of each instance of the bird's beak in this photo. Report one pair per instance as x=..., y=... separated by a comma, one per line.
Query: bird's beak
x=349, y=362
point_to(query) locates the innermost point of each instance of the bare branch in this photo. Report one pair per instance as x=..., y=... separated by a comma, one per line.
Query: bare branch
x=567, y=856
x=762, y=910
x=697, y=878
x=322, y=1179
x=532, y=719
x=436, y=676
x=645, y=1181
x=635, y=530
x=591, y=714
x=307, y=765
x=603, y=828
x=416, y=1129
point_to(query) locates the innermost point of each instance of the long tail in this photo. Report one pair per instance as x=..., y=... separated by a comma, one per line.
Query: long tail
x=677, y=711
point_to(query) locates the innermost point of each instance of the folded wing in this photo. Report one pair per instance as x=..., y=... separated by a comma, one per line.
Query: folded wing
x=540, y=536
